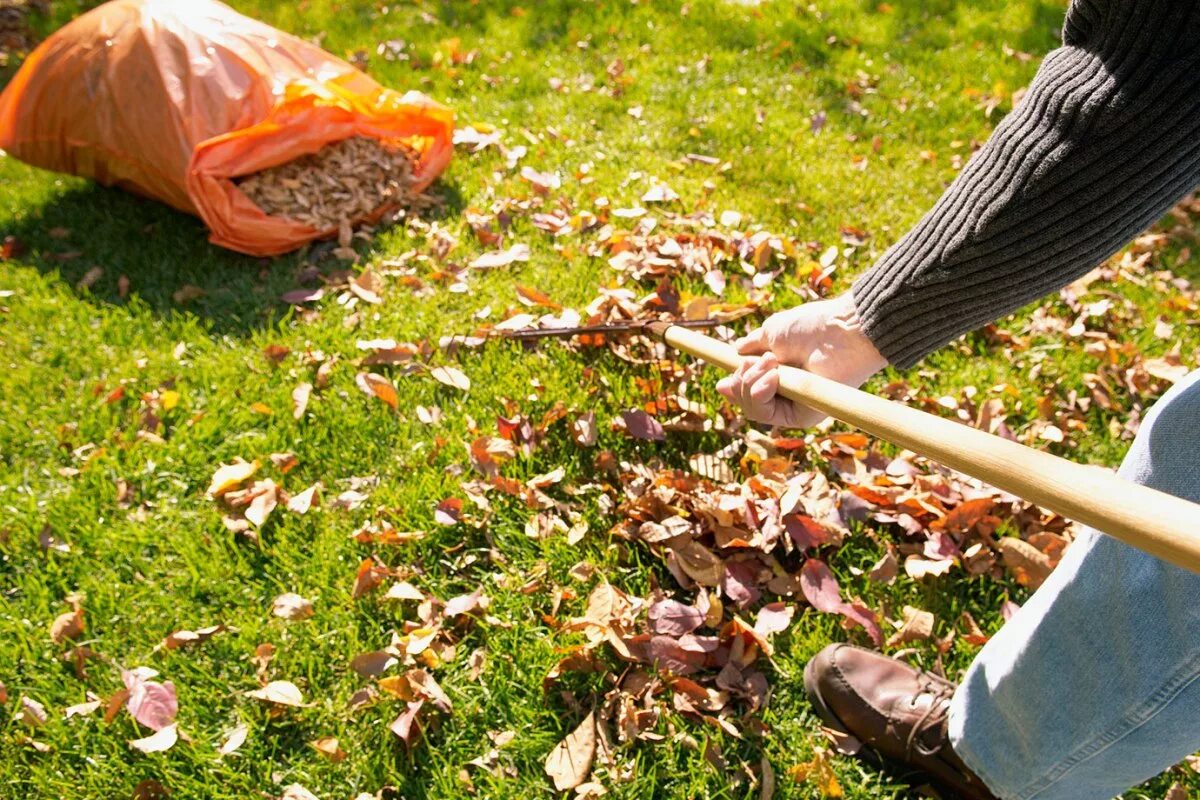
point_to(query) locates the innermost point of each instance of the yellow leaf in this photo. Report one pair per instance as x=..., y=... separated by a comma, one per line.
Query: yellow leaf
x=261, y=408
x=230, y=475
x=169, y=399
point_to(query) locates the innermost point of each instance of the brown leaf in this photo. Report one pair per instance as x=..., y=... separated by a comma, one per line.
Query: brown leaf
x=32, y=713
x=292, y=606
x=376, y=385
x=328, y=747
x=531, y=296
x=374, y=663
x=370, y=574
x=641, y=425
x=1028, y=565
x=68, y=625
x=570, y=762
x=917, y=626
x=174, y=641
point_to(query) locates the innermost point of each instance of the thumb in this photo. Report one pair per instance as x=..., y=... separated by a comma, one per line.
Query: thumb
x=753, y=343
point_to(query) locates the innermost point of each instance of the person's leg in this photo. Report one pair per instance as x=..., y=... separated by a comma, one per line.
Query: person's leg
x=1094, y=685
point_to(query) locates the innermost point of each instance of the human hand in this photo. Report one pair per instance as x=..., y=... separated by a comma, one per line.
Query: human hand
x=823, y=337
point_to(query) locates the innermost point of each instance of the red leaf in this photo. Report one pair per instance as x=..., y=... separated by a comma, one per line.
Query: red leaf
x=448, y=512
x=674, y=618
x=821, y=590
x=641, y=425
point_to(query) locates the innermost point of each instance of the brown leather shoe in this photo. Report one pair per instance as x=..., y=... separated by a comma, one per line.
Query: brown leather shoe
x=896, y=710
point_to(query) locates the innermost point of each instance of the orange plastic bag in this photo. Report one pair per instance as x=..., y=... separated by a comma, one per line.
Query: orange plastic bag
x=174, y=98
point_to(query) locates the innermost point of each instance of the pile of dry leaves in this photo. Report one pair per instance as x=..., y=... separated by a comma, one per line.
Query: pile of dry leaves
x=340, y=185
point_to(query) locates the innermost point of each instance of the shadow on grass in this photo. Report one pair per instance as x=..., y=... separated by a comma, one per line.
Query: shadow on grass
x=162, y=258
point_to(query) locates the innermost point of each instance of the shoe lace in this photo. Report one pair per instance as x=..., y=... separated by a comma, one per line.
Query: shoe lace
x=933, y=718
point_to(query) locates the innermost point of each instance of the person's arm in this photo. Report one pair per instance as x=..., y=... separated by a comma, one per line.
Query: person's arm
x=1106, y=140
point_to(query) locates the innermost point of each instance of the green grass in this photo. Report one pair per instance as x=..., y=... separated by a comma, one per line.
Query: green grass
x=166, y=561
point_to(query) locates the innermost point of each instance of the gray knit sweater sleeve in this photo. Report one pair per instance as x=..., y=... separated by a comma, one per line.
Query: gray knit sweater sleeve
x=1106, y=140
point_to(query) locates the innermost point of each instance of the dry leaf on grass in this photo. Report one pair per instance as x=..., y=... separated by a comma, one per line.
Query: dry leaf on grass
x=917, y=626
x=31, y=712
x=570, y=762
x=151, y=703
x=291, y=606
x=376, y=385
x=452, y=377
x=67, y=626
x=164, y=739
x=233, y=740
x=229, y=476
x=300, y=397
x=280, y=693
x=328, y=747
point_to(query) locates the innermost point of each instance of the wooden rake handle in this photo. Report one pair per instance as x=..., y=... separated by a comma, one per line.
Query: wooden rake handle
x=1157, y=523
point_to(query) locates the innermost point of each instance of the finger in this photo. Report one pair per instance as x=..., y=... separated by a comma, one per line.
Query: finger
x=753, y=343
x=774, y=409
x=731, y=385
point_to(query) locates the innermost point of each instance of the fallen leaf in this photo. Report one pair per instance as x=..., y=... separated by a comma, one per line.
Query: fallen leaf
x=403, y=590
x=83, y=709
x=1028, y=565
x=32, y=713
x=328, y=747
x=641, y=425
x=291, y=606
x=660, y=193
x=917, y=626
x=773, y=618
x=452, y=377
x=300, y=396
x=674, y=618
x=570, y=762
x=280, y=693
x=448, y=512
x=178, y=639
x=405, y=726
x=231, y=475
x=373, y=664
x=233, y=740
x=163, y=740
x=821, y=590
x=151, y=703
x=501, y=258
x=536, y=297
x=305, y=500
x=297, y=792
x=68, y=625
x=375, y=385
x=820, y=772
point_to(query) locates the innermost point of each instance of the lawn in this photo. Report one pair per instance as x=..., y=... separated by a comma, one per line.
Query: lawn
x=833, y=124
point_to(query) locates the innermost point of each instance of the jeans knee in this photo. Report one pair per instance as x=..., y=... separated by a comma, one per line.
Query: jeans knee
x=1164, y=454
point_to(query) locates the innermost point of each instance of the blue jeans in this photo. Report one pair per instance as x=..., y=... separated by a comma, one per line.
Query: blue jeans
x=1094, y=685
